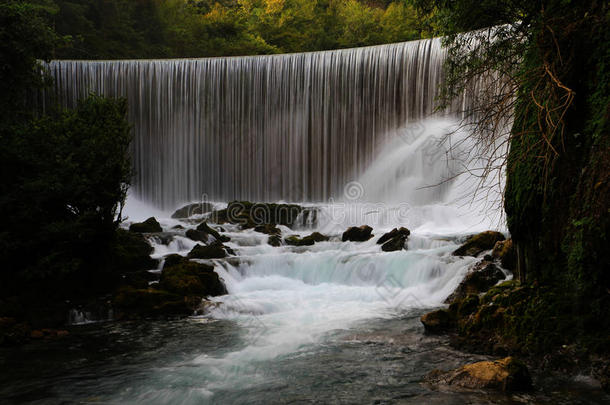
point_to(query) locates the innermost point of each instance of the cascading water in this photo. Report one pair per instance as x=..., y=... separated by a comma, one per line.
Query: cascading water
x=340, y=130
x=292, y=127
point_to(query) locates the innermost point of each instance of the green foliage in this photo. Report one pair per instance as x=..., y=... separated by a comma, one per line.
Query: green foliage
x=118, y=29
x=68, y=180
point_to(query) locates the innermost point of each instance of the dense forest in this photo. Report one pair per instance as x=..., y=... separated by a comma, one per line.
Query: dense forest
x=120, y=29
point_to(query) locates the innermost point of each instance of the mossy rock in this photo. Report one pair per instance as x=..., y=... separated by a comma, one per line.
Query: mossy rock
x=268, y=229
x=131, y=302
x=274, y=240
x=213, y=251
x=173, y=259
x=132, y=252
x=481, y=278
x=308, y=240
x=505, y=252
x=479, y=243
x=438, y=321
x=192, y=209
x=151, y=225
x=357, y=234
x=190, y=278
x=396, y=243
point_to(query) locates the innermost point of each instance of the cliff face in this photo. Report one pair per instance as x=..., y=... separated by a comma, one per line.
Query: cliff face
x=557, y=197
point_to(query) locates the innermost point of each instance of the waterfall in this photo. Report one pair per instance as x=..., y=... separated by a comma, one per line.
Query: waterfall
x=293, y=127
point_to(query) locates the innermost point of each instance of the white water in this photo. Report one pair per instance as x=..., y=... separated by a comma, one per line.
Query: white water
x=290, y=300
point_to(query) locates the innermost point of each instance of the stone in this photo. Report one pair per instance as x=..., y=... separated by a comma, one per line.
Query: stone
x=396, y=243
x=132, y=252
x=438, y=321
x=213, y=251
x=274, y=240
x=204, y=227
x=268, y=229
x=131, y=302
x=196, y=235
x=191, y=278
x=250, y=215
x=357, y=234
x=393, y=234
x=505, y=253
x=309, y=240
x=505, y=375
x=482, y=276
x=151, y=225
x=479, y=243
x=193, y=209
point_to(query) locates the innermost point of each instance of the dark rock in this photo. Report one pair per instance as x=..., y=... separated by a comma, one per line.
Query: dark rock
x=479, y=243
x=481, y=278
x=131, y=302
x=309, y=240
x=177, y=227
x=132, y=252
x=396, y=243
x=505, y=252
x=196, y=235
x=438, y=321
x=193, y=209
x=151, y=225
x=506, y=375
x=173, y=259
x=393, y=234
x=162, y=238
x=191, y=278
x=357, y=234
x=204, y=227
x=274, y=240
x=139, y=279
x=213, y=251
x=268, y=229
x=250, y=215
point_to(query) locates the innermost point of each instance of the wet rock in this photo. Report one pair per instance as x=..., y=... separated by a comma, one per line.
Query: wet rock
x=438, y=321
x=393, y=234
x=213, y=251
x=274, y=240
x=162, y=238
x=173, y=259
x=139, y=279
x=193, y=209
x=506, y=375
x=481, y=278
x=204, y=227
x=151, y=225
x=357, y=234
x=395, y=243
x=177, y=227
x=309, y=240
x=250, y=215
x=479, y=243
x=132, y=252
x=191, y=278
x=505, y=253
x=132, y=302
x=268, y=229
x=196, y=235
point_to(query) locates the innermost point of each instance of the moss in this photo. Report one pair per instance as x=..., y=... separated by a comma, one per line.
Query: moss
x=191, y=278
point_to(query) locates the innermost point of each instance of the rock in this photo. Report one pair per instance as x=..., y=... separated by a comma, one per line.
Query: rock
x=149, y=226
x=193, y=209
x=178, y=227
x=479, y=243
x=212, y=251
x=196, y=235
x=191, y=278
x=131, y=302
x=132, y=252
x=505, y=252
x=139, y=279
x=204, y=227
x=268, y=229
x=393, y=234
x=162, y=238
x=357, y=234
x=250, y=215
x=396, y=243
x=506, y=375
x=309, y=240
x=173, y=259
x=481, y=278
x=274, y=240
x=438, y=321
x=13, y=332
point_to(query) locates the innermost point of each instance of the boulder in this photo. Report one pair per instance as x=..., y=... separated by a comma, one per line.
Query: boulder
x=396, y=243
x=479, y=243
x=139, y=279
x=189, y=278
x=149, y=226
x=481, y=278
x=268, y=229
x=196, y=235
x=205, y=228
x=396, y=232
x=438, y=321
x=250, y=215
x=213, y=251
x=308, y=240
x=132, y=252
x=173, y=259
x=131, y=302
x=506, y=375
x=357, y=234
x=274, y=240
x=505, y=252
x=193, y=209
